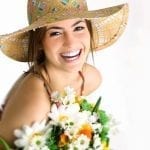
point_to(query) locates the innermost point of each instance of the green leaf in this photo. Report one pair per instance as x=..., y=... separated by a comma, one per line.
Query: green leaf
x=104, y=134
x=86, y=106
x=96, y=107
x=4, y=144
x=103, y=117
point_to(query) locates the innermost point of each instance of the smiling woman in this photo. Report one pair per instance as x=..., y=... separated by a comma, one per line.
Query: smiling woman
x=56, y=45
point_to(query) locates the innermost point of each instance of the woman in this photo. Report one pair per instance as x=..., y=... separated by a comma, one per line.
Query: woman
x=56, y=45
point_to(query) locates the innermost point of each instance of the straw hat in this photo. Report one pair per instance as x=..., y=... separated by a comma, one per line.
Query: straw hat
x=107, y=24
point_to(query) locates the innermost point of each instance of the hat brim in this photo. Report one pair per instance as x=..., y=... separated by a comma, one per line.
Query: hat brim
x=107, y=26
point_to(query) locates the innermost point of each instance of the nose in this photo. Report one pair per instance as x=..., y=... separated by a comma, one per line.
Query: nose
x=69, y=40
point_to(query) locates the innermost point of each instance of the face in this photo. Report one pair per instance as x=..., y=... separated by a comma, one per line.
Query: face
x=66, y=44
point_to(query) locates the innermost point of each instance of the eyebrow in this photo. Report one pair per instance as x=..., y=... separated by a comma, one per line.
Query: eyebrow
x=57, y=27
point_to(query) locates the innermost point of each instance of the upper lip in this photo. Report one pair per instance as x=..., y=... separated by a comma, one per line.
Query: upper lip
x=71, y=53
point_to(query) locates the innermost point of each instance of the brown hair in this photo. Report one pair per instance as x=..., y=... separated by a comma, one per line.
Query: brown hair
x=89, y=26
x=36, y=54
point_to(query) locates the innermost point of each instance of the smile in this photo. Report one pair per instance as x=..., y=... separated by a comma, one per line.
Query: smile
x=71, y=55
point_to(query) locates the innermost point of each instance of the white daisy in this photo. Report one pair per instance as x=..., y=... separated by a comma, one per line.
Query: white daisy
x=97, y=127
x=93, y=118
x=82, y=117
x=97, y=142
x=29, y=134
x=69, y=96
x=66, y=97
x=81, y=143
x=63, y=113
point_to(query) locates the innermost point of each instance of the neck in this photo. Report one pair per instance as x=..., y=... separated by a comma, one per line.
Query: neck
x=62, y=78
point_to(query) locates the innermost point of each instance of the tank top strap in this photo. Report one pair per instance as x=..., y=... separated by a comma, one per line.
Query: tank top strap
x=83, y=82
x=1, y=110
x=46, y=83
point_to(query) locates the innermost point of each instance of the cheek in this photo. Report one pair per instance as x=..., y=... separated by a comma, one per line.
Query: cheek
x=52, y=43
x=49, y=46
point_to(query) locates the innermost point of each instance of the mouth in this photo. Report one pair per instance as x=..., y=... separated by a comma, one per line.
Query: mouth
x=71, y=55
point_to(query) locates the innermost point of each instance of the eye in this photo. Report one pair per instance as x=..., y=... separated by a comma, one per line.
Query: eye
x=79, y=28
x=54, y=34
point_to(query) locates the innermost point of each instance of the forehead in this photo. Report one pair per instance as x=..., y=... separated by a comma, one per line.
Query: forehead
x=68, y=22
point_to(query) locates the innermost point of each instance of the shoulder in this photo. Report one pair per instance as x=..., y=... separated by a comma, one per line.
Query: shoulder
x=93, y=78
x=29, y=87
x=32, y=92
x=31, y=83
x=29, y=103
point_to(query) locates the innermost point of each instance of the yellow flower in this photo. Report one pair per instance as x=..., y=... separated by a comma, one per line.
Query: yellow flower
x=105, y=146
x=78, y=99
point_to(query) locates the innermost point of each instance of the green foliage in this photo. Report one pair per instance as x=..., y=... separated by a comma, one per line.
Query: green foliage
x=86, y=106
x=103, y=117
x=104, y=133
x=53, y=138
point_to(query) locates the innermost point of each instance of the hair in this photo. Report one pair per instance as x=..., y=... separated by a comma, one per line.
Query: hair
x=36, y=54
x=89, y=26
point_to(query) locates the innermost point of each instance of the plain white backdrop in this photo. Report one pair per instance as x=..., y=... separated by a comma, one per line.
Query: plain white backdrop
x=124, y=66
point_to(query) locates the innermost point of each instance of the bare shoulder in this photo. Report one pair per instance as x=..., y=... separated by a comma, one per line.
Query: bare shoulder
x=29, y=103
x=31, y=95
x=93, y=78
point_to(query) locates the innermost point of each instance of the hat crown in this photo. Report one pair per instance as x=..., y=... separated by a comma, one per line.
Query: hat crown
x=38, y=8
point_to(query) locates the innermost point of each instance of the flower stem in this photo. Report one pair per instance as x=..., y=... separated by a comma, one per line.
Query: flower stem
x=4, y=144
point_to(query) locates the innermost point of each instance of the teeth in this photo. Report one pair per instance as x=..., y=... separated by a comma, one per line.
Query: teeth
x=71, y=53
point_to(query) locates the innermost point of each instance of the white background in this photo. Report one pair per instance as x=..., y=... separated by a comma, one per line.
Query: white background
x=124, y=66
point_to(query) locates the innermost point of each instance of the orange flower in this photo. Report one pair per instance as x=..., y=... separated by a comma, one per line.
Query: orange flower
x=86, y=130
x=63, y=140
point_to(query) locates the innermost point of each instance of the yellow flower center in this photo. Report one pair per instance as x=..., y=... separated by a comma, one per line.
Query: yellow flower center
x=63, y=118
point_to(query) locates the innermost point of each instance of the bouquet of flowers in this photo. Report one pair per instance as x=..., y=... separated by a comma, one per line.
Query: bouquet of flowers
x=73, y=124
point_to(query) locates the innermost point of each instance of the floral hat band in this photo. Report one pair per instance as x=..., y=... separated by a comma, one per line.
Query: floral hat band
x=39, y=8
x=107, y=24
